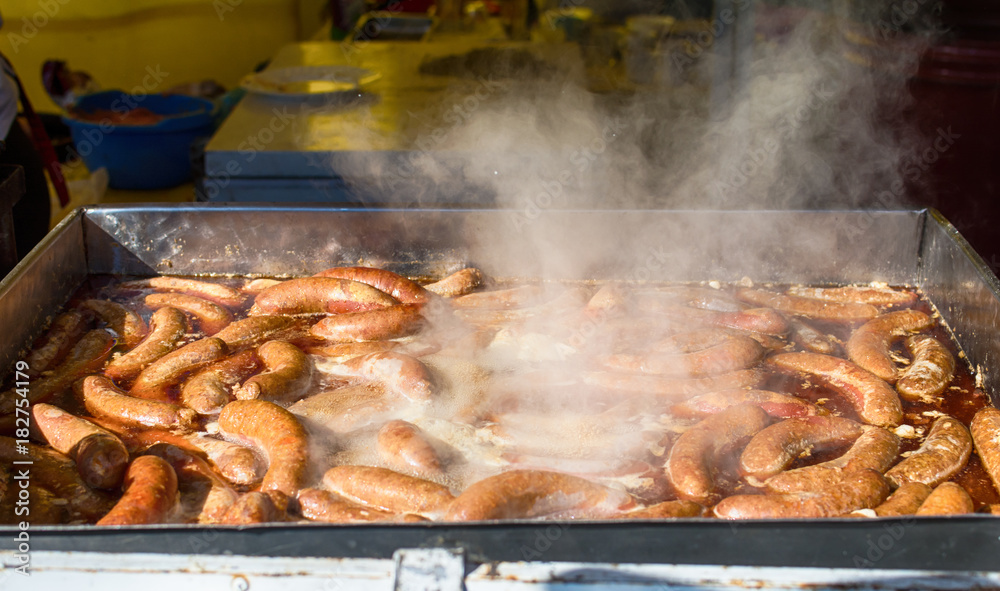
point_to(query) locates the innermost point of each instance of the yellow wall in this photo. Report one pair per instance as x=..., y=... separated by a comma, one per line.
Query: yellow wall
x=120, y=41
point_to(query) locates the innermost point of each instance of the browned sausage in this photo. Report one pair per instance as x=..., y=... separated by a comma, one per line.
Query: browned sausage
x=876, y=450
x=947, y=498
x=735, y=353
x=402, y=374
x=374, y=325
x=253, y=507
x=810, y=339
x=321, y=505
x=526, y=494
x=320, y=295
x=154, y=381
x=985, y=430
x=879, y=296
x=287, y=377
x=211, y=317
x=672, y=388
x=405, y=447
x=212, y=495
x=666, y=510
x=807, y=306
x=277, y=433
x=773, y=403
x=869, y=344
x=931, y=371
x=257, y=330
x=854, y=490
x=236, y=463
x=150, y=493
x=774, y=448
x=457, y=284
x=255, y=286
x=757, y=320
x=501, y=299
x=873, y=399
x=399, y=287
x=65, y=331
x=57, y=473
x=207, y=391
x=905, y=501
x=344, y=351
x=218, y=293
x=101, y=458
x=691, y=463
x=125, y=322
x=387, y=490
x=347, y=408
x=167, y=327
x=103, y=399
x=945, y=451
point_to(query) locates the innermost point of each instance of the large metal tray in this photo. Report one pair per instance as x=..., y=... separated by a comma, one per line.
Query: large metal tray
x=918, y=248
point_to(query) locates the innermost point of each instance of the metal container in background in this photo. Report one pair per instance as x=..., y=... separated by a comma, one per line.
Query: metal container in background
x=11, y=191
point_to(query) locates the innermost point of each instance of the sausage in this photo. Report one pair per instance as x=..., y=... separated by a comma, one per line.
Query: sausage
x=257, y=330
x=168, y=370
x=774, y=448
x=985, y=429
x=853, y=490
x=905, y=501
x=405, y=447
x=876, y=450
x=344, y=351
x=57, y=473
x=387, y=490
x=735, y=353
x=65, y=331
x=347, y=408
x=375, y=325
x=320, y=295
x=948, y=498
x=666, y=510
x=255, y=286
x=236, y=463
x=672, y=388
x=813, y=308
x=167, y=327
x=253, y=507
x=86, y=357
x=869, y=345
x=287, y=377
x=879, y=296
x=216, y=292
x=931, y=371
x=811, y=339
x=211, y=317
x=758, y=320
x=207, y=391
x=399, y=287
x=874, y=400
x=103, y=399
x=320, y=505
x=526, y=494
x=125, y=322
x=211, y=494
x=277, y=433
x=101, y=458
x=402, y=374
x=457, y=284
x=501, y=299
x=773, y=403
x=690, y=464
x=150, y=493
x=945, y=451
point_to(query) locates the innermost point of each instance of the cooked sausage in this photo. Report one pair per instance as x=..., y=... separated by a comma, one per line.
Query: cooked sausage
x=807, y=306
x=101, y=458
x=873, y=399
x=153, y=382
x=853, y=490
x=879, y=296
x=277, y=433
x=666, y=510
x=399, y=287
x=322, y=505
x=931, y=371
x=672, y=388
x=405, y=447
x=213, y=495
x=150, y=494
x=257, y=330
x=757, y=320
x=216, y=292
x=811, y=339
x=774, y=448
x=167, y=327
x=526, y=494
x=948, y=498
x=255, y=286
x=945, y=451
x=402, y=374
x=869, y=345
x=65, y=331
x=253, y=507
x=103, y=399
x=320, y=295
x=905, y=501
x=501, y=299
x=773, y=403
x=985, y=430
x=207, y=391
x=124, y=321
x=876, y=450
x=690, y=464
x=375, y=325
x=237, y=464
x=344, y=351
x=457, y=284
x=387, y=490
x=347, y=408
x=211, y=317
x=735, y=353
x=287, y=377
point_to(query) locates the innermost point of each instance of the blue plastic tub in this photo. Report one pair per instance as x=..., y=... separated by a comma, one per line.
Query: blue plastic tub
x=154, y=156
